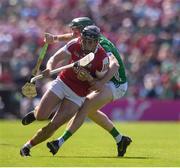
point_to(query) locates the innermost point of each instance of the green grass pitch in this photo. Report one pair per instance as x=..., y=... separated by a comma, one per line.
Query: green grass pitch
x=154, y=144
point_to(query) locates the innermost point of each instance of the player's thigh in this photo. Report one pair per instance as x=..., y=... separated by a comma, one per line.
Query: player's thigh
x=66, y=111
x=96, y=100
x=48, y=102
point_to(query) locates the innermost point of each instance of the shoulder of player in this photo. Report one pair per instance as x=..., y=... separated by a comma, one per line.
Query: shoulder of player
x=73, y=42
x=105, y=42
x=101, y=51
x=109, y=47
x=73, y=45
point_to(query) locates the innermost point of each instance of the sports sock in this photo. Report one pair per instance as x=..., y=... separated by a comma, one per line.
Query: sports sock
x=64, y=137
x=116, y=135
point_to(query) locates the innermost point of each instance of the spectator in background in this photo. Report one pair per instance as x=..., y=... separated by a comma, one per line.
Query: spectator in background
x=146, y=32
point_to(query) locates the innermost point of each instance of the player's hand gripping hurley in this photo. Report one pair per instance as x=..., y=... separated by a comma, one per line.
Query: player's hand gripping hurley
x=82, y=62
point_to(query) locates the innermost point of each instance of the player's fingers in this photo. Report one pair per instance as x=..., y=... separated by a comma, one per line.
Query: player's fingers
x=45, y=37
x=94, y=89
x=48, y=38
x=46, y=34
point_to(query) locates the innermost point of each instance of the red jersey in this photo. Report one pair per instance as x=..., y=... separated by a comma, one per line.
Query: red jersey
x=69, y=76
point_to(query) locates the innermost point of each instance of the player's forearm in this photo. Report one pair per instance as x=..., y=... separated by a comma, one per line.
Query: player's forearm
x=63, y=37
x=60, y=55
x=50, y=38
x=50, y=64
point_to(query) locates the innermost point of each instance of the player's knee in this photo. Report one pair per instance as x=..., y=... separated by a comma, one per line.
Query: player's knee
x=42, y=113
x=40, y=116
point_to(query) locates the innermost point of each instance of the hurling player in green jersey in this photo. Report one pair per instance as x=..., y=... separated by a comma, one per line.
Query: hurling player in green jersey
x=111, y=87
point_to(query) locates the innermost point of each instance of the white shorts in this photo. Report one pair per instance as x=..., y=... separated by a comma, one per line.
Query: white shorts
x=117, y=91
x=59, y=88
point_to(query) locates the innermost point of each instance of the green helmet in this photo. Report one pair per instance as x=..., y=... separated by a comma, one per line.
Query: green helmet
x=81, y=22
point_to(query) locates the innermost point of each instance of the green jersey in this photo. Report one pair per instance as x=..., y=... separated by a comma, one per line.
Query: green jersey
x=120, y=76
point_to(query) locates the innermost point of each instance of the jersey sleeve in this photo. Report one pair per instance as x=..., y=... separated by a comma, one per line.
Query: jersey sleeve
x=69, y=47
x=106, y=48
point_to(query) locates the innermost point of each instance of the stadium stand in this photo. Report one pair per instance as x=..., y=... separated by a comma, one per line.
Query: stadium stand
x=146, y=33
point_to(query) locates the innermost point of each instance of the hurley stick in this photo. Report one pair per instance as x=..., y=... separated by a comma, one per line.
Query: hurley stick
x=29, y=89
x=82, y=62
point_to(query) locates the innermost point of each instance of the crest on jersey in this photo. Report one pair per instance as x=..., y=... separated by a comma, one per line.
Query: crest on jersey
x=105, y=64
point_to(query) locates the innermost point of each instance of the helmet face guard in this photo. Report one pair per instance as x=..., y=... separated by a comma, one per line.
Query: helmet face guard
x=88, y=45
x=89, y=38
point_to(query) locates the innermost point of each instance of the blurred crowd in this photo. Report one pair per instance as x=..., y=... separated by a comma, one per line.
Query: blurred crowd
x=146, y=32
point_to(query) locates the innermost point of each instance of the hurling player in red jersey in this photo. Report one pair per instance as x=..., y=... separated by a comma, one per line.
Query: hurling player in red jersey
x=112, y=87
x=70, y=87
